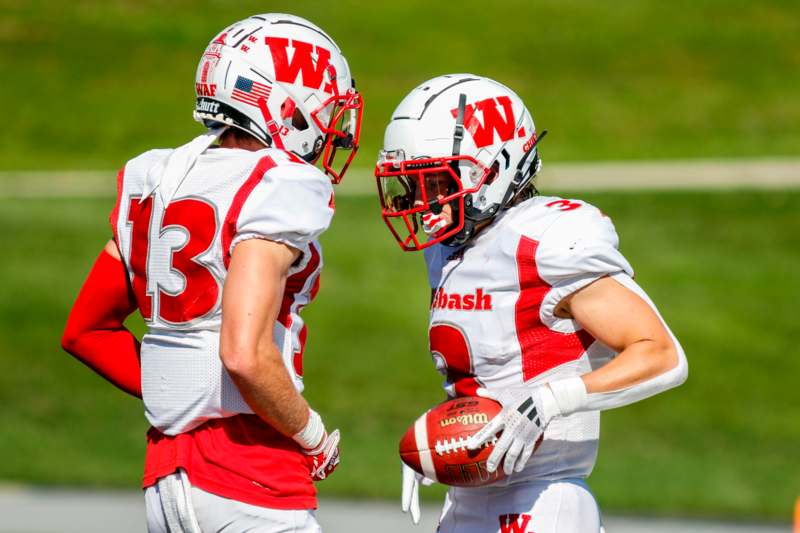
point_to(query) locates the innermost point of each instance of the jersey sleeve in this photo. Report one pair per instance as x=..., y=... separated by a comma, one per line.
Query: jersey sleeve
x=291, y=204
x=579, y=247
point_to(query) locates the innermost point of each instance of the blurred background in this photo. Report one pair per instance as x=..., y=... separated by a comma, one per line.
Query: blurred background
x=87, y=85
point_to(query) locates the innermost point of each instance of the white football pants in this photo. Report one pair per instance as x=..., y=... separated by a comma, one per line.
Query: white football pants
x=540, y=506
x=175, y=506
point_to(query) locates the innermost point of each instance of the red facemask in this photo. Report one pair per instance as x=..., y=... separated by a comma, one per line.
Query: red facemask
x=342, y=131
x=412, y=192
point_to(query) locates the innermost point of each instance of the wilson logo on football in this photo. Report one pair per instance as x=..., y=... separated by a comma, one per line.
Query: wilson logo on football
x=467, y=419
x=309, y=60
x=493, y=120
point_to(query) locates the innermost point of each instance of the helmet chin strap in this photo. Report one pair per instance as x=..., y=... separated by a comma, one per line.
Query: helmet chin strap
x=272, y=126
x=436, y=207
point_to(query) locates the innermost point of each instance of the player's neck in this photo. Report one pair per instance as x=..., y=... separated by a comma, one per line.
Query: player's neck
x=518, y=199
x=243, y=142
x=482, y=225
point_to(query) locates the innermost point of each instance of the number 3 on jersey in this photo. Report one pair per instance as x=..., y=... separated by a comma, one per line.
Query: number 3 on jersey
x=564, y=205
x=198, y=221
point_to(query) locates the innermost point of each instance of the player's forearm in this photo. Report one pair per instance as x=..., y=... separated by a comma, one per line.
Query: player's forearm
x=638, y=372
x=250, y=305
x=618, y=313
x=266, y=386
x=639, y=362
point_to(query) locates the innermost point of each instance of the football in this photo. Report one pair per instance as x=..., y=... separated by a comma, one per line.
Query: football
x=435, y=445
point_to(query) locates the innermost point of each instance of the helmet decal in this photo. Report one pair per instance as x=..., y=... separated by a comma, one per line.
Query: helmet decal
x=209, y=63
x=483, y=133
x=308, y=61
x=250, y=91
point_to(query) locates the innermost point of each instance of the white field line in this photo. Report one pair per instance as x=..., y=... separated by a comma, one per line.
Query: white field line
x=556, y=177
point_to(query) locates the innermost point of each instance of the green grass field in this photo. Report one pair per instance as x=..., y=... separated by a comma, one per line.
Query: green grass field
x=721, y=266
x=89, y=84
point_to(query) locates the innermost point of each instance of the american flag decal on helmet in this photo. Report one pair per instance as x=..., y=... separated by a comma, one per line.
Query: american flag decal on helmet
x=248, y=91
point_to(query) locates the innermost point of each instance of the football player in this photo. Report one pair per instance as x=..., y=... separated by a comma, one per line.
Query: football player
x=532, y=304
x=216, y=246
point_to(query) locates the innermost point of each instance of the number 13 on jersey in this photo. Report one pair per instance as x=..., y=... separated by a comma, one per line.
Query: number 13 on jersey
x=197, y=220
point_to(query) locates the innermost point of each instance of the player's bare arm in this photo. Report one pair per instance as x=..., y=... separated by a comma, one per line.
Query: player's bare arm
x=618, y=313
x=95, y=333
x=250, y=304
x=623, y=321
x=649, y=360
x=111, y=249
x=251, y=300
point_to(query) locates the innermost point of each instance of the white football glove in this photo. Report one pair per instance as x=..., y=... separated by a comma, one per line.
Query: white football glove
x=409, y=501
x=325, y=457
x=526, y=412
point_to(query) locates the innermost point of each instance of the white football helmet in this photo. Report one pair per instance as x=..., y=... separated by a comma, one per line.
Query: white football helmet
x=283, y=80
x=459, y=140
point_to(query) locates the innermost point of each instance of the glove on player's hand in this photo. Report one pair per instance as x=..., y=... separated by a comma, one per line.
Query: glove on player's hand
x=410, y=496
x=325, y=457
x=526, y=412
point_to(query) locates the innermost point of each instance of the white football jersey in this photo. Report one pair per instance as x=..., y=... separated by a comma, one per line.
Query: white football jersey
x=492, y=323
x=177, y=257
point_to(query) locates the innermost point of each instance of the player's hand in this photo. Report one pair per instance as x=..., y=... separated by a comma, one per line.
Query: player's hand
x=325, y=457
x=526, y=412
x=409, y=501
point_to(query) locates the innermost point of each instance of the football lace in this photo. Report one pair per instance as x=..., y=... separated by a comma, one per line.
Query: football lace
x=454, y=445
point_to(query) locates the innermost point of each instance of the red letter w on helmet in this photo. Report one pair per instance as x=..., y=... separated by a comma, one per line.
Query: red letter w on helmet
x=493, y=121
x=303, y=61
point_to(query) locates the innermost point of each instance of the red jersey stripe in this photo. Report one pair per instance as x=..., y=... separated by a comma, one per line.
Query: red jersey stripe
x=231, y=219
x=542, y=348
x=295, y=284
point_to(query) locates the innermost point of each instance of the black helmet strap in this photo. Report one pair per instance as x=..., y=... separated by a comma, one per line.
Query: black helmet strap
x=458, y=135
